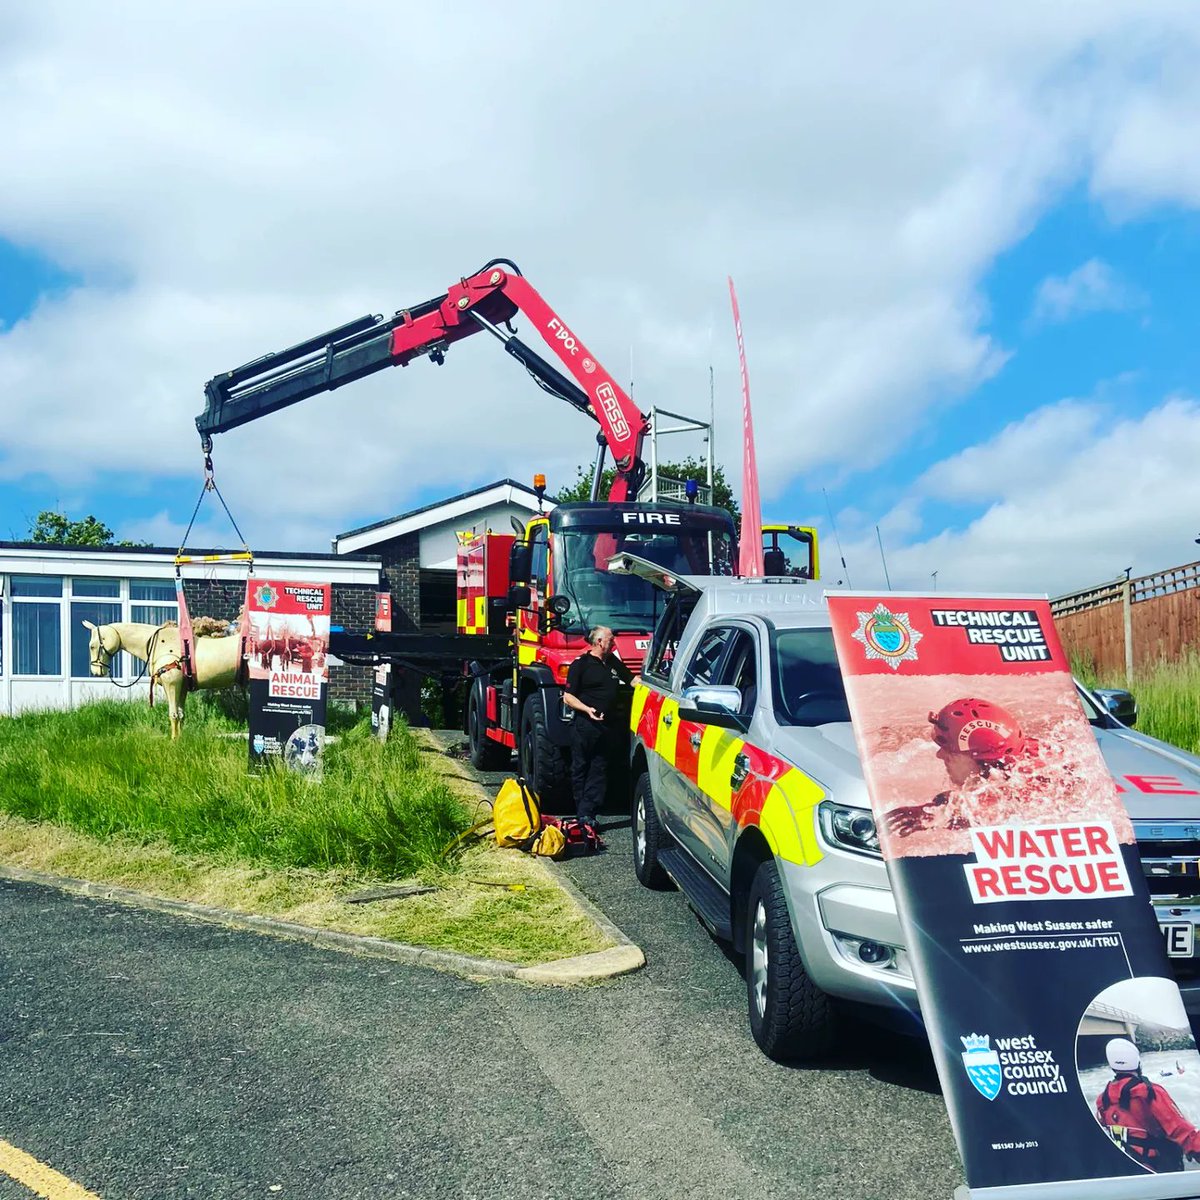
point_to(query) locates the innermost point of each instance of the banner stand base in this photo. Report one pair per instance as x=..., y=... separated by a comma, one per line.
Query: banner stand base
x=1178, y=1185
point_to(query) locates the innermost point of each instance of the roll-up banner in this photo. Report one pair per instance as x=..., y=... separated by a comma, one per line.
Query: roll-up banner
x=1065, y=1055
x=287, y=651
x=381, y=701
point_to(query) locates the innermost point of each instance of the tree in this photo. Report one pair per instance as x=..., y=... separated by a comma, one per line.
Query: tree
x=684, y=468
x=59, y=530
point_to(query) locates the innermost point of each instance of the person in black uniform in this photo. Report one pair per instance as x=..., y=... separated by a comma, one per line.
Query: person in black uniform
x=592, y=683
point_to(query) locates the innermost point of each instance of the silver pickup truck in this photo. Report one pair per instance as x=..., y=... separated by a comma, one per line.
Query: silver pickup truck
x=748, y=794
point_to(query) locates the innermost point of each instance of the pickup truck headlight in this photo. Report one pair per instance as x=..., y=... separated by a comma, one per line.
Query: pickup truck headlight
x=851, y=828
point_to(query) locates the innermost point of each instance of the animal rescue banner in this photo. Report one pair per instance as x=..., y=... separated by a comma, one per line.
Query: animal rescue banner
x=287, y=649
x=1060, y=1036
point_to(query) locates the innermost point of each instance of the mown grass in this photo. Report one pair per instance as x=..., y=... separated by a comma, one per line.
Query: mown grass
x=108, y=769
x=1168, y=698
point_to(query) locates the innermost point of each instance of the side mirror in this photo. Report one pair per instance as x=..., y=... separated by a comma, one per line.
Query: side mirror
x=520, y=563
x=519, y=596
x=1119, y=703
x=713, y=705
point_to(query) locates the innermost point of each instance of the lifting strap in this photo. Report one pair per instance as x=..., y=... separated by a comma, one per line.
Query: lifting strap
x=187, y=639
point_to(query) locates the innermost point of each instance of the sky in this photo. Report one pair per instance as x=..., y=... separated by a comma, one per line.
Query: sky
x=964, y=238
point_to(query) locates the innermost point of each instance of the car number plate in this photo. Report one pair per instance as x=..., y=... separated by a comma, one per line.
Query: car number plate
x=1180, y=939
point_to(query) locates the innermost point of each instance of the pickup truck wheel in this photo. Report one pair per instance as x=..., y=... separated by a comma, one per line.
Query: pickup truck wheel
x=547, y=767
x=486, y=755
x=790, y=1017
x=648, y=837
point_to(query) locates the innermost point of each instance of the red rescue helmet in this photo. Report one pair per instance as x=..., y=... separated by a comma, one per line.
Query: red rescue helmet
x=985, y=731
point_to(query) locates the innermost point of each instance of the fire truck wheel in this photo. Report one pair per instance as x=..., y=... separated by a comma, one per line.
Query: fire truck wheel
x=790, y=1017
x=486, y=755
x=546, y=766
x=648, y=837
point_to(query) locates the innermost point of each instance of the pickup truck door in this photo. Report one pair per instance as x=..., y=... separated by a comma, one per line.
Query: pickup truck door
x=721, y=762
x=677, y=795
x=703, y=753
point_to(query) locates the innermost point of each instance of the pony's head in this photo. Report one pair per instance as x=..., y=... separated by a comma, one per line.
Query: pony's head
x=103, y=644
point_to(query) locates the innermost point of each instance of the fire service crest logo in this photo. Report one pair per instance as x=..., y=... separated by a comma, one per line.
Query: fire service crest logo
x=266, y=596
x=887, y=636
x=982, y=1064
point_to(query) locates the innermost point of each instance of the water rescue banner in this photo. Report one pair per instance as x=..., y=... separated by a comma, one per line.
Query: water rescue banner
x=287, y=650
x=1038, y=960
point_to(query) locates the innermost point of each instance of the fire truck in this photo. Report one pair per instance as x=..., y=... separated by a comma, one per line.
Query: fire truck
x=526, y=598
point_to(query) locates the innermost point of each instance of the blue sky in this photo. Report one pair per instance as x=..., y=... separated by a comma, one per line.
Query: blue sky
x=964, y=251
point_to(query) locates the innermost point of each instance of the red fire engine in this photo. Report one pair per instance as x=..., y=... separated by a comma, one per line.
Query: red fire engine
x=525, y=600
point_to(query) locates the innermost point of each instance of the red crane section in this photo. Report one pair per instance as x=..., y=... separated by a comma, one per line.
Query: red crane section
x=487, y=300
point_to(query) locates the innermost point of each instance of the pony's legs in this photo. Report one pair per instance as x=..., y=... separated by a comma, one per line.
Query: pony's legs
x=175, y=702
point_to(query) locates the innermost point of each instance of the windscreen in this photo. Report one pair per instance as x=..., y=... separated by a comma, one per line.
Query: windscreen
x=807, y=679
x=624, y=602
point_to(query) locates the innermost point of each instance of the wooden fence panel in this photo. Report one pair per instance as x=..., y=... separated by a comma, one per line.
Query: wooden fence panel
x=1166, y=628
x=1097, y=634
x=1164, y=619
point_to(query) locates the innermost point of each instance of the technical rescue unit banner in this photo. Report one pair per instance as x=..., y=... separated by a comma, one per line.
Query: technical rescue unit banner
x=1037, y=956
x=287, y=649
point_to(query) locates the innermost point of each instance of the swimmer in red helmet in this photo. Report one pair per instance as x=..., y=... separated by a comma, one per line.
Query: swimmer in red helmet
x=974, y=738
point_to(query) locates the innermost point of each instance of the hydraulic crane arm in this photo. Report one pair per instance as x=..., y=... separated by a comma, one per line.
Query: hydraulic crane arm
x=487, y=300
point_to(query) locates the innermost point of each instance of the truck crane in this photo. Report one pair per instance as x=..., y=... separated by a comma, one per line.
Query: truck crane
x=525, y=599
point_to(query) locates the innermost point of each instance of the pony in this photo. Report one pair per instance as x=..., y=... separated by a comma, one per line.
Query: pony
x=215, y=660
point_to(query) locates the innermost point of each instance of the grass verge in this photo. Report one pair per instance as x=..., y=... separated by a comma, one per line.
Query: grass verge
x=1168, y=697
x=101, y=794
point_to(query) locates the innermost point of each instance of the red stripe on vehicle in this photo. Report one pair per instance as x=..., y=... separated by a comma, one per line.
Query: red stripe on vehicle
x=687, y=756
x=647, y=728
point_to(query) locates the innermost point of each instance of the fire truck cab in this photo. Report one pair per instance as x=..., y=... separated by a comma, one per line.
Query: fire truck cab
x=550, y=587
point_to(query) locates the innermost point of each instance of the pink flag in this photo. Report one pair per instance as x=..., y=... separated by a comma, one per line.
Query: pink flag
x=750, y=554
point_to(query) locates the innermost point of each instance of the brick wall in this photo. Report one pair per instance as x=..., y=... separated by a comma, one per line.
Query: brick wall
x=402, y=577
x=353, y=607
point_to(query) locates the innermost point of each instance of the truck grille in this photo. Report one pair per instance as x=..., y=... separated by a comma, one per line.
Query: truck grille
x=1170, y=859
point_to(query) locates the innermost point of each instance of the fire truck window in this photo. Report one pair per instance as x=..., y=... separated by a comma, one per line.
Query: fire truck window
x=539, y=558
x=701, y=669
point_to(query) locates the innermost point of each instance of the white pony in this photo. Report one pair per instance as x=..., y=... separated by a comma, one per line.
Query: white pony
x=215, y=660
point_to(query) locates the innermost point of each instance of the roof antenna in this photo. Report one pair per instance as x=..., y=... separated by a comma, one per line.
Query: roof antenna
x=883, y=558
x=836, y=538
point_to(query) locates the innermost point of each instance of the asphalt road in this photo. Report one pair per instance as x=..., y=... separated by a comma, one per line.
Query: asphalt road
x=147, y=1056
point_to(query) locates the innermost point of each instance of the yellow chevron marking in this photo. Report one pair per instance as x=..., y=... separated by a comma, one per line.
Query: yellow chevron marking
x=526, y=654
x=38, y=1178
x=788, y=818
x=668, y=731
x=640, y=693
x=718, y=748
x=480, y=612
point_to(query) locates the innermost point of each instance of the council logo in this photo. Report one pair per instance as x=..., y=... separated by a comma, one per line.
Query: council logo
x=887, y=636
x=982, y=1064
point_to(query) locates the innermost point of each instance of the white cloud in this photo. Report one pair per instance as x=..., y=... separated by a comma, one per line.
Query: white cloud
x=229, y=183
x=1024, y=453
x=1099, y=496
x=1092, y=287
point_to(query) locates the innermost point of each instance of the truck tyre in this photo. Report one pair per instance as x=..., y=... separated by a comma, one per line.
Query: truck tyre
x=648, y=837
x=790, y=1017
x=486, y=755
x=546, y=767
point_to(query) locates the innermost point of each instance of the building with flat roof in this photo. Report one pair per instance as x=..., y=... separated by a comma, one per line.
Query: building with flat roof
x=48, y=591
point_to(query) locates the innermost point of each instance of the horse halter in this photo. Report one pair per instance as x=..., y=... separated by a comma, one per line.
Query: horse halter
x=103, y=656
